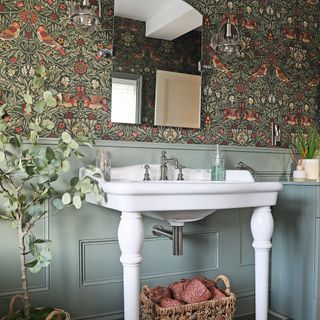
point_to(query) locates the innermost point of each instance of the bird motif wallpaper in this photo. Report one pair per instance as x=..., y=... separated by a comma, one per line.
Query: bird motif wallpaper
x=275, y=78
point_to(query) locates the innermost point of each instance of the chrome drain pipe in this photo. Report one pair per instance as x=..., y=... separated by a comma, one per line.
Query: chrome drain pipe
x=176, y=235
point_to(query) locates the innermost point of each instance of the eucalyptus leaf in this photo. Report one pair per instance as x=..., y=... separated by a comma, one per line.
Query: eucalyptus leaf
x=48, y=124
x=79, y=154
x=51, y=102
x=4, y=217
x=46, y=254
x=66, y=198
x=27, y=98
x=66, y=137
x=67, y=152
x=40, y=71
x=73, y=145
x=2, y=156
x=54, y=177
x=58, y=204
x=42, y=179
x=17, y=140
x=50, y=155
x=77, y=202
x=28, y=108
x=47, y=95
x=34, y=137
x=30, y=170
x=39, y=106
x=65, y=166
x=86, y=186
x=3, y=126
x=37, y=82
x=74, y=181
x=31, y=264
x=36, y=268
x=36, y=210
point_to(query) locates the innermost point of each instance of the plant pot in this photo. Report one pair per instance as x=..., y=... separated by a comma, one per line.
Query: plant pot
x=53, y=314
x=311, y=167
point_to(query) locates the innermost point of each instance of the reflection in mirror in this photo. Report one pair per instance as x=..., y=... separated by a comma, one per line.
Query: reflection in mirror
x=178, y=98
x=126, y=97
x=144, y=42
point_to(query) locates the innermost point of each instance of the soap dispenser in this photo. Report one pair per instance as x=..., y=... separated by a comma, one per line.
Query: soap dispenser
x=218, y=172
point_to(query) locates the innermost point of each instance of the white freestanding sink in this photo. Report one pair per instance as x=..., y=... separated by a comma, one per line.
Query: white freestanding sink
x=185, y=201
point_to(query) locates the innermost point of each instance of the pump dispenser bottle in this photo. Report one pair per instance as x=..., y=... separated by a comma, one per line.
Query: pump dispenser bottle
x=218, y=172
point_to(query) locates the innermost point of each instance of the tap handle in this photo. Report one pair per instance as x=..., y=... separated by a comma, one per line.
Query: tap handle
x=180, y=174
x=163, y=155
x=146, y=176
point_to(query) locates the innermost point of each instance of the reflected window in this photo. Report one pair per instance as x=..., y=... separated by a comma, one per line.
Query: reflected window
x=126, y=97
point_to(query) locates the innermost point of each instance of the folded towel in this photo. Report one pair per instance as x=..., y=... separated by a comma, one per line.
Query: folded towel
x=195, y=291
x=177, y=288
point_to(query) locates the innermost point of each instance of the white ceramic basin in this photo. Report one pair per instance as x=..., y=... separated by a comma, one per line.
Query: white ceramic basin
x=189, y=200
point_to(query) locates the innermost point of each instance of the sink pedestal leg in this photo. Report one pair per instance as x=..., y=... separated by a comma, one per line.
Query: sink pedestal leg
x=130, y=237
x=262, y=230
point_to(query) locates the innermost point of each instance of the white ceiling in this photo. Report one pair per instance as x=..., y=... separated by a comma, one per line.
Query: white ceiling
x=165, y=19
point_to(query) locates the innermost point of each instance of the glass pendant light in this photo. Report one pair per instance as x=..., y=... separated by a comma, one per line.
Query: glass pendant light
x=83, y=14
x=226, y=42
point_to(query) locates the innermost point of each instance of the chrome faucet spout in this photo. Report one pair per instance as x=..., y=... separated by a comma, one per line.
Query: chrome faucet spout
x=242, y=166
x=164, y=165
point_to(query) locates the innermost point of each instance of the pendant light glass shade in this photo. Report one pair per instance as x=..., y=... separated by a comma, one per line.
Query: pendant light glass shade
x=84, y=15
x=226, y=41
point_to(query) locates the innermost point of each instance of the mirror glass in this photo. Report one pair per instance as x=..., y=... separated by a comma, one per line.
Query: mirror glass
x=152, y=36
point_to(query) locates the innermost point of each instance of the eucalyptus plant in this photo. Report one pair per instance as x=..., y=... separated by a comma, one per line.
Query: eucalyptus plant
x=29, y=173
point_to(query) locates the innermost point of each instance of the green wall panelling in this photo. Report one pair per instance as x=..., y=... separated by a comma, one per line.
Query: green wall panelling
x=295, y=252
x=85, y=276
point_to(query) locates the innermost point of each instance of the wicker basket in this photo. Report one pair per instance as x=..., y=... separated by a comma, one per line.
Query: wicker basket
x=55, y=314
x=215, y=309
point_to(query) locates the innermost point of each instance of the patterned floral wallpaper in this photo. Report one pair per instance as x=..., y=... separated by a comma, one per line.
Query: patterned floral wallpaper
x=276, y=78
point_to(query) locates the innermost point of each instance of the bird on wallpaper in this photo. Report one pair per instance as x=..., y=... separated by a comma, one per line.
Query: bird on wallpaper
x=68, y=101
x=290, y=33
x=12, y=32
x=312, y=1
x=154, y=56
x=261, y=72
x=249, y=24
x=314, y=82
x=281, y=76
x=306, y=120
x=47, y=40
x=140, y=54
x=94, y=102
x=305, y=37
x=219, y=65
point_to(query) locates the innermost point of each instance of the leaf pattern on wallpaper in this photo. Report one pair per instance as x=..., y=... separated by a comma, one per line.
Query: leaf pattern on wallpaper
x=275, y=78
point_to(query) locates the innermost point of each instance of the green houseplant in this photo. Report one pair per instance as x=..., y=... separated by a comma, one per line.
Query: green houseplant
x=306, y=147
x=29, y=173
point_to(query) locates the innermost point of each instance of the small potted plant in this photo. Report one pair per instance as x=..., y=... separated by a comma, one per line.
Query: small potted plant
x=28, y=175
x=307, y=148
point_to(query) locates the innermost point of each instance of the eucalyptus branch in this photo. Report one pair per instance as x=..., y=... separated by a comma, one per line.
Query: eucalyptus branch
x=26, y=178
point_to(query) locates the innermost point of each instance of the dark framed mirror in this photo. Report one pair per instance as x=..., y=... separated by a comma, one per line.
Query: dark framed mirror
x=152, y=35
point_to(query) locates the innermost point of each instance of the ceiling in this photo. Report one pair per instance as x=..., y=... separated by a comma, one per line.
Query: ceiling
x=165, y=19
